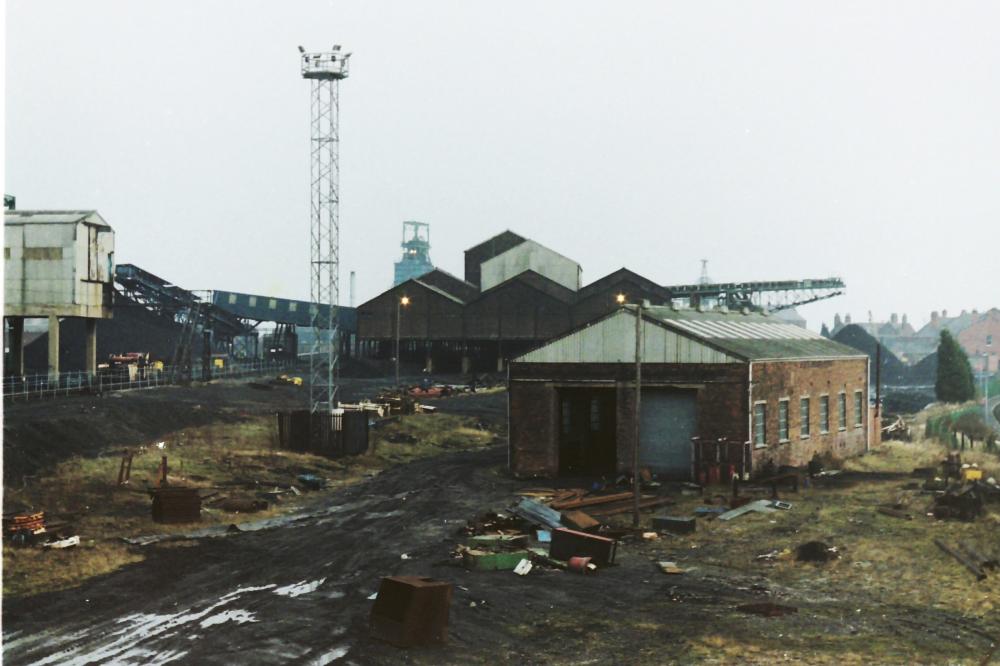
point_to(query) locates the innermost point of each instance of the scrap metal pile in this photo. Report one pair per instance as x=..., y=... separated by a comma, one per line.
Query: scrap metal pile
x=549, y=527
x=32, y=529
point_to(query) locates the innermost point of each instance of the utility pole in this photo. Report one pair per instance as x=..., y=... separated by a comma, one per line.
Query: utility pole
x=636, y=485
x=400, y=304
x=325, y=70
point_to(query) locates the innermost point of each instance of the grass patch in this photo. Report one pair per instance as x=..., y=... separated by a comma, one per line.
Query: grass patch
x=234, y=460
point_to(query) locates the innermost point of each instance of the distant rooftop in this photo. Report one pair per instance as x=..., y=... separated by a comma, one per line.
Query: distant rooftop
x=54, y=217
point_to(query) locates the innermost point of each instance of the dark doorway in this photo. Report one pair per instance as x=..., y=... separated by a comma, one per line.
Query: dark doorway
x=587, y=432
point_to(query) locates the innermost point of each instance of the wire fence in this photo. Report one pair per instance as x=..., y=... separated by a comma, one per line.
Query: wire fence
x=37, y=386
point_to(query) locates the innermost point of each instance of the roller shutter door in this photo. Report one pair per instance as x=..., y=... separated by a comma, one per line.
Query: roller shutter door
x=667, y=426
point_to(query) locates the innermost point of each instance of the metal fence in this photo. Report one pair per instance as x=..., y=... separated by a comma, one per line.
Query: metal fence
x=31, y=387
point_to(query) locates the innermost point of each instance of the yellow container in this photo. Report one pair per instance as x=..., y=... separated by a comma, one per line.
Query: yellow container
x=972, y=474
x=219, y=363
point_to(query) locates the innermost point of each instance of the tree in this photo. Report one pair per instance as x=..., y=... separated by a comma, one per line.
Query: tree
x=825, y=332
x=954, y=374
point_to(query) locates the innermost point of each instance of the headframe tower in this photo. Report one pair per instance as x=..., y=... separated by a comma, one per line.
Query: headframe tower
x=325, y=70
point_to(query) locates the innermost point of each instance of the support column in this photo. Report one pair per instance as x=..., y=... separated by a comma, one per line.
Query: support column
x=53, y=347
x=429, y=356
x=91, y=347
x=16, y=359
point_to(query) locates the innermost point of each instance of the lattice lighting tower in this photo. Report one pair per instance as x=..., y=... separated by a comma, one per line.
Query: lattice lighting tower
x=325, y=71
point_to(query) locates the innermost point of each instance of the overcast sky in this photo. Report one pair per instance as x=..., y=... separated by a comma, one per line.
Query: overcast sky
x=779, y=140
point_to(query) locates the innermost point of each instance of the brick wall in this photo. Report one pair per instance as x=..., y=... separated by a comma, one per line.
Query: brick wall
x=721, y=407
x=983, y=337
x=533, y=434
x=773, y=381
x=534, y=444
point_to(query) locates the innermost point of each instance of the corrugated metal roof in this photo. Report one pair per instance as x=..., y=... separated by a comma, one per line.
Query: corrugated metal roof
x=752, y=336
x=437, y=290
x=54, y=217
x=537, y=282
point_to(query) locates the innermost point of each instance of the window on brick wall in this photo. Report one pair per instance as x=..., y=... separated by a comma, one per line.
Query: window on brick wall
x=842, y=410
x=858, y=406
x=804, y=417
x=783, y=420
x=824, y=413
x=760, y=424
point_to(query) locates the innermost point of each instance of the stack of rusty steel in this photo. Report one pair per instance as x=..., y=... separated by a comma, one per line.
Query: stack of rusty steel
x=24, y=528
x=175, y=504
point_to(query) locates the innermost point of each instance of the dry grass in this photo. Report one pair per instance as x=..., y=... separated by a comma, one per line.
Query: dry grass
x=230, y=459
x=887, y=565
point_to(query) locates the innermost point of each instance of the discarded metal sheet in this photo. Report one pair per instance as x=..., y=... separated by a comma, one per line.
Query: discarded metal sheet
x=579, y=520
x=538, y=513
x=760, y=506
x=523, y=567
x=69, y=542
x=485, y=560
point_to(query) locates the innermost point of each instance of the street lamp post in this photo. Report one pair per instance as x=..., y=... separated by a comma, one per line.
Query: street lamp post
x=400, y=304
x=986, y=390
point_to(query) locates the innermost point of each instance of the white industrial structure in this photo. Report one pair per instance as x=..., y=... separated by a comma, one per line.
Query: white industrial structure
x=530, y=256
x=325, y=70
x=56, y=264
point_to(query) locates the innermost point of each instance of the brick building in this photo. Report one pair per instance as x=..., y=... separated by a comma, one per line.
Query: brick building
x=739, y=388
x=981, y=341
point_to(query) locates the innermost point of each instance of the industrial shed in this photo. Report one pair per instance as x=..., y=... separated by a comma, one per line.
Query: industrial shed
x=733, y=390
x=57, y=264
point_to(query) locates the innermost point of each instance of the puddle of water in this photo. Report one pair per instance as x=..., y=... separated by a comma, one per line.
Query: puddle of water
x=300, y=588
x=238, y=616
x=378, y=515
x=122, y=644
x=330, y=656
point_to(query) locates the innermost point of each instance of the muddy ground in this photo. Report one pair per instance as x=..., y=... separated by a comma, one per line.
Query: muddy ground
x=299, y=593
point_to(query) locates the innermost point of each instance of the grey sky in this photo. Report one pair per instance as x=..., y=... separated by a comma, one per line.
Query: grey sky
x=777, y=139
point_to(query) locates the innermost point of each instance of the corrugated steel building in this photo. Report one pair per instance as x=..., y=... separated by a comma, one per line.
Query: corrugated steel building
x=718, y=388
x=57, y=263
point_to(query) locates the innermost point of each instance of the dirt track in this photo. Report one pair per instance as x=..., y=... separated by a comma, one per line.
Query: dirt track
x=227, y=600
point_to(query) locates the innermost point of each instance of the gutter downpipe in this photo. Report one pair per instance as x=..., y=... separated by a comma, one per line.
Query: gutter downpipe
x=510, y=457
x=868, y=379
x=750, y=445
